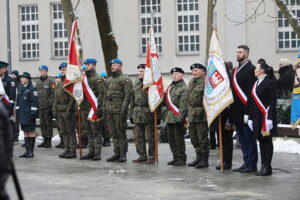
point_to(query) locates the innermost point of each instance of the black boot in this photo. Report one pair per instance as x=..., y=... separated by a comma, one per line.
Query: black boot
x=97, y=156
x=195, y=162
x=26, y=140
x=172, y=162
x=106, y=143
x=31, y=148
x=122, y=158
x=88, y=156
x=64, y=153
x=43, y=143
x=259, y=173
x=48, y=142
x=61, y=144
x=203, y=160
x=71, y=154
x=267, y=171
x=113, y=158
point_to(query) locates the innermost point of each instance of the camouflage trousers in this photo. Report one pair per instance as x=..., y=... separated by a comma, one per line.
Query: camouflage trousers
x=104, y=128
x=117, y=128
x=46, y=122
x=199, y=136
x=94, y=132
x=67, y=131
x=176, y=141
x=139, y=131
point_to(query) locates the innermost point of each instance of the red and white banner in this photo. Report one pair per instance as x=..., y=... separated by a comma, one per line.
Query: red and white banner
x=152, y=77
x=72, y=83
x=172, y=107
x=236, y=86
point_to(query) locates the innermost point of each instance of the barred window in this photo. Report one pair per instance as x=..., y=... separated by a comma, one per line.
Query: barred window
x=286, y=37
x=145, y=23
x=59, y=33
x=29, y=32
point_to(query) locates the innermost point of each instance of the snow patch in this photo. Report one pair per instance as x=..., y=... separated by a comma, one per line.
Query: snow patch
x=286, y=146
x=121, y=171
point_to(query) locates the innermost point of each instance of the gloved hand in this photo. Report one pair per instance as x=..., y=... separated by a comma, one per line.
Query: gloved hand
x=246, y=117
x=250, y=124
x=158, y=121
x=131, y=120
x=269, y=124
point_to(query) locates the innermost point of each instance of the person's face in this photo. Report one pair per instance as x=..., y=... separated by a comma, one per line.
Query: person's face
x=3, y=70
x=198, y=72
x=13, y=76
x=258, y=71
x=24, y=80
x=90, y=66
x=63, y=71
x=116, y=67
x=177, y=76
x=57, y=80
x=141, y=72
x=241, y=54
x=43, y=72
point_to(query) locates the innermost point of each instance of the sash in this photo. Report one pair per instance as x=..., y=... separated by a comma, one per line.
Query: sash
x=3, y=96
x=260, y=105
x=236, y=86
x=173, y=108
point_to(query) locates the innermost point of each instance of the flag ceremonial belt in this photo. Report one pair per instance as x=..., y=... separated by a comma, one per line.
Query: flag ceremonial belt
x=170, y=104
x=236, y=86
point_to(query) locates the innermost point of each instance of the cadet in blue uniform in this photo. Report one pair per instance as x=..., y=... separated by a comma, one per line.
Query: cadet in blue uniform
x=27, y=111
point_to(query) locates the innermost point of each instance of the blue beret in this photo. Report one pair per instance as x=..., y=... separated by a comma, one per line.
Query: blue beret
x=116, y=61
x=58, y=75
x=90, y=60
x=103, y=74
x=83, y=67
x=45, y=67
x=63, y=65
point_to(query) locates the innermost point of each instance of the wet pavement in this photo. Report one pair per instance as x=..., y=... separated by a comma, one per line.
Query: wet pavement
x=47, y=177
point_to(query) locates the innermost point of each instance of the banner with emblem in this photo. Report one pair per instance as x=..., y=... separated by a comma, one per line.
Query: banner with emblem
x=217, y=92
x=152, y=77
x=72, y=83
x=295, y=110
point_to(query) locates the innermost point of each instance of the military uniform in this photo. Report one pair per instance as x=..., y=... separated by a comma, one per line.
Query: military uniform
x=45, y=93
x=104, y=127
x=118, y=94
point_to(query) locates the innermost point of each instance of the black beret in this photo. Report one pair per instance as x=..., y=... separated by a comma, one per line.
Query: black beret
x=177, y=69
x=199, y=66
x=3, y=64
x=141, y=66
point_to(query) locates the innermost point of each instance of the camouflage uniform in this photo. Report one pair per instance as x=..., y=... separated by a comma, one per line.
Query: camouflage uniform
x=175, y=124
x=104, y=127
x=143, y=121
x=117, y=100
x=63, y=105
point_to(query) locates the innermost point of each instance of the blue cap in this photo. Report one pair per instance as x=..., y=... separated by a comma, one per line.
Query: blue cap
x=83, y=67
x=116, y=61
x=62, y=65
x=58, y=75
x=90, y=61
x=45, y=67
x=103, y=74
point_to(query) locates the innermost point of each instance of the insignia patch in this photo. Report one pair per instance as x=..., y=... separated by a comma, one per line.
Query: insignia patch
x=35, y=93
x=13, y=84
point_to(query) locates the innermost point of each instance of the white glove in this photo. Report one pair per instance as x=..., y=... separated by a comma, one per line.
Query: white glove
x=250, y=124
x=269, y=124
x=246, y=117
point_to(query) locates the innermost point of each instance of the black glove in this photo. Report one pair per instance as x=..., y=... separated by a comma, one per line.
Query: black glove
x=131, y=120
x=158, y=121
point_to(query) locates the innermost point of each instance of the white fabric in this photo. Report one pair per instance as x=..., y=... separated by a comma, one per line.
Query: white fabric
x=250, y=124
x=261, y=78
x=246, y=117
x=269, y=124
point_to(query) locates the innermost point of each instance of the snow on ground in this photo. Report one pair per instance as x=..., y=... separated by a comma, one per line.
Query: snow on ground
x=39, y=138
x=286, y=146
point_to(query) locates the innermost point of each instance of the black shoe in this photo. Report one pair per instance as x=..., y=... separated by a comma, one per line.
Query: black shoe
x=71, y=154
x=63, y=154
x=180, y=163
x=113, y=158
x=226, y=166
x=195, y=162
x=203, y=160
x=26, y=139
x=122, y=158
x=266, y=171
x=140, y=159
x=97, y=156
x=172, y=162
x=23, y=145
x=48, y=143
x=88, y=156
x=106, y=143
x=240, y=168
x=249, y=169
x=60, y=145
x=43, y=143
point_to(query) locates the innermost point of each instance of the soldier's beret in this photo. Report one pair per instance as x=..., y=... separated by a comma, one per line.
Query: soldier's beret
x=62, y=65
x=116, y=61
x=58, y=75
x=90, y=61
x=141, y=66
x=16, y=72
x=26, y=75
x=199, y=66
x=43, y=67
x=177, y=69
x=83, y=67
x=3, y=64
x=103, y=74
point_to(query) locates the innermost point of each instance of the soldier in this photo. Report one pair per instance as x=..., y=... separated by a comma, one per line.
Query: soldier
x=143, y=120
x=27, y=111
x=45, y=91
x=197, y=118
x=63, y=105
x=176, y=100
x=119, y=89
x=90, y=126
x=104, y=128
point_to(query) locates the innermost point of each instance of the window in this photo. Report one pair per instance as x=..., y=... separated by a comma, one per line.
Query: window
x=145, y=23
x=29, y=32
x=286, y=37
x=59, y=33
x=188, y=38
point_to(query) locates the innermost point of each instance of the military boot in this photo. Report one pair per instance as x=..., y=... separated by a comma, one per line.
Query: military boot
x=196, y=161
x=172, y=162
x=31, y=148
x=140, y=159
x=150, y=160
x=61, y=144
x=48, y=142
x=97, y=156
x=26, y=140
x=203, y=160
x=180, y=163
x=122, y=158
x=113, y=158
x=71, y=154
x=88, y=156
x=63, y=155
x=43, y=143
x=106, y=143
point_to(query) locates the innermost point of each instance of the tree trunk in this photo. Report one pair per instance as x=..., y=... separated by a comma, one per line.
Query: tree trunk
x=109, y=45
x=210, y=20
x=292, y=21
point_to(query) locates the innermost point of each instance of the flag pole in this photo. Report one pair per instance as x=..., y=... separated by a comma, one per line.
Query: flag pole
x=79, y=131
x=221, y=144
x=155, y=137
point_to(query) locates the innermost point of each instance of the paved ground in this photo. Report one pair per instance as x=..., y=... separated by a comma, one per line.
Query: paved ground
x=47, y=177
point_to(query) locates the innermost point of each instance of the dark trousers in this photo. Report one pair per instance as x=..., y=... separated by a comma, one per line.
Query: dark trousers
x=248, y=145
x=227, y=146
x=266, y=150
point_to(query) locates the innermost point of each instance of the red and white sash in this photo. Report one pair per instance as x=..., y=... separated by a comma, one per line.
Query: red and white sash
x=92, y=99
x=173, y=108
x=237, y=89
x=5, y=99
x=261, y=107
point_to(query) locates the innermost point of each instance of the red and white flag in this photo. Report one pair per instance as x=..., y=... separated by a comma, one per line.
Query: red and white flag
x=3, y=96
x=72, y=83
x=152, y=77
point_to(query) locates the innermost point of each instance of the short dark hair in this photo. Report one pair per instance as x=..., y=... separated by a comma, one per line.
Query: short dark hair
x=243, y=46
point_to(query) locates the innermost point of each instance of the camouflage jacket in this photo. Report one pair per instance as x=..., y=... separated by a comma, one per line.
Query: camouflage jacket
x=118, y=94
x=45, y=91
x=178, y=95
x=196, y=111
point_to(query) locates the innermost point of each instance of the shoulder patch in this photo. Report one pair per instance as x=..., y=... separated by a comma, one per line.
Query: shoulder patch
x=13, y=84
x=35, y=93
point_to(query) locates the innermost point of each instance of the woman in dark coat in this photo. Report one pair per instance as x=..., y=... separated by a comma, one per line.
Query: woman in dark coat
x=262, y=117
x=26, y=110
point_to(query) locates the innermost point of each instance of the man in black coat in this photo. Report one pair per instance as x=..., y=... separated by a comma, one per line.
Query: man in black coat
x=242, y=82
